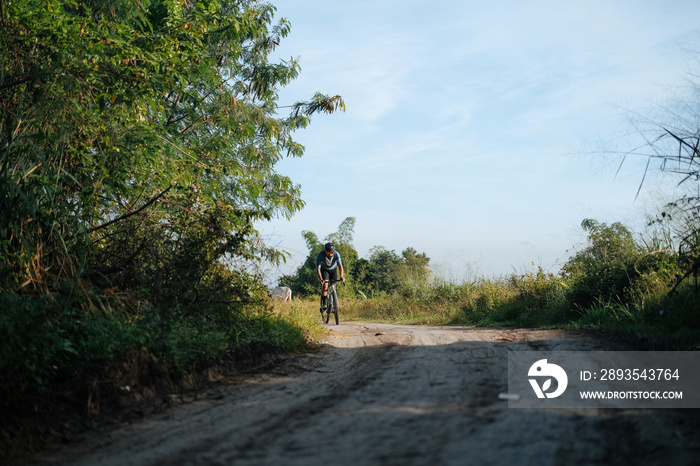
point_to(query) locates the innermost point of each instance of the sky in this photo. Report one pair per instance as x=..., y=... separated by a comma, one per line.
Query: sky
x=473, y=129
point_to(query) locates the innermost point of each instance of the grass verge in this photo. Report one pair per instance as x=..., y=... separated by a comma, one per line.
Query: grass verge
x=529, y=301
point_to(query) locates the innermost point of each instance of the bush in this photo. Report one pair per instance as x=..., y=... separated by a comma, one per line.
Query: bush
x=32, y=345
x=125, y=187
x=604, y=269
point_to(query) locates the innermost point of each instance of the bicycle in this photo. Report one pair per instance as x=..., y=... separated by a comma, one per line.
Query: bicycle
x=331, y=302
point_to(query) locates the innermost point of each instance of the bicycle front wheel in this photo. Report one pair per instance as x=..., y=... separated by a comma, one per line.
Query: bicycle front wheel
x=326, y=314
x=335, y=305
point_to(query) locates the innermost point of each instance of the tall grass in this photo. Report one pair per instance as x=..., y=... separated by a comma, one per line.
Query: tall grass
x=302, y=315
x=516, y=300
x=35, y=351
x=535, y=299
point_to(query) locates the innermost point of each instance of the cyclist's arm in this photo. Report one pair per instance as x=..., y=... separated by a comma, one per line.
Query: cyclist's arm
x=342, y=276
x=318, y=267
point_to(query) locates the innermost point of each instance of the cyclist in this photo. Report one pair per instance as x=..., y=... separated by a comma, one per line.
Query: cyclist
x=327, y=265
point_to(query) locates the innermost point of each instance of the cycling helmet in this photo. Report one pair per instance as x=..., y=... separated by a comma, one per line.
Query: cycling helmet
x=329, y=247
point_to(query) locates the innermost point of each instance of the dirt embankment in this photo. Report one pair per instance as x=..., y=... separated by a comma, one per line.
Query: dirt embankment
x=391, y=394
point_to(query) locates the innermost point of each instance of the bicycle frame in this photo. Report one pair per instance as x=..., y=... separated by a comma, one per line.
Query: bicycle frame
x=332, y=301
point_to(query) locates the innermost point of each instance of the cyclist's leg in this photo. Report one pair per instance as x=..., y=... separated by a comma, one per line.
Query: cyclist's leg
x=329, y=276
x=324, y=287
x=333, y=275
x=324, y=291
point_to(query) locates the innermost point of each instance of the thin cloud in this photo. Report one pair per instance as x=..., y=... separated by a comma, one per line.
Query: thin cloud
x=461, y=115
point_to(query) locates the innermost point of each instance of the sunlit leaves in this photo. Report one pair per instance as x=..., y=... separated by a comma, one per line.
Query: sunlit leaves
x=320, y=103
x=144, y=119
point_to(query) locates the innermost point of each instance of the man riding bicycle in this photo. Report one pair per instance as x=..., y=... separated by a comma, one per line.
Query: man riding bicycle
x=327, y=265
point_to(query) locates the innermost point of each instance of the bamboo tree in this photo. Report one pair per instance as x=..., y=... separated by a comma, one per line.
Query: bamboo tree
x=141, y=120
x=138, y=146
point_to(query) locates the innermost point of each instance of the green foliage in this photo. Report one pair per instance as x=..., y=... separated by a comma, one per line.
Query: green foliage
x=33, y=346
x=345, y=233
x=679, y=226
x=604, y=269
x=673, y=140
x=155, y=113
x=536, y=298
x=381, y=272
x=387, y=272
x=384, y=271
x=138, y=145
x=615, y=283
x=414, y=270
x=305, y=281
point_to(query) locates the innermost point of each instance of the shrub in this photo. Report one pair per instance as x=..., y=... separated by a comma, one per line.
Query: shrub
x=604, y=269
x=32, y=345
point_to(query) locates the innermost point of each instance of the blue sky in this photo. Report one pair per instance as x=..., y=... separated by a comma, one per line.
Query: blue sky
x=471, y=127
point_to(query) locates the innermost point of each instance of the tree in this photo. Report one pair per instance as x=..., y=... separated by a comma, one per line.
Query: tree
x=384, y=271
x=345, y=233
x=138, y=141
x=417, y=267
x=305, y=280
x=387, y=272
x=672, y=139
x=383, y=274
x=138, y=146
x=605, y=268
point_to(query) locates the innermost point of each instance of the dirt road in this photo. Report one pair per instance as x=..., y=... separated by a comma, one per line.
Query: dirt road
x=391, y=394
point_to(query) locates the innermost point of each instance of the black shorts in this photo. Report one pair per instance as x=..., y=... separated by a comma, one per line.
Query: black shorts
x=329, y=274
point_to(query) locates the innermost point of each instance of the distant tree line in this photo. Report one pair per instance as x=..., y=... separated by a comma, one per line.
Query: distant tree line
x=384, y=271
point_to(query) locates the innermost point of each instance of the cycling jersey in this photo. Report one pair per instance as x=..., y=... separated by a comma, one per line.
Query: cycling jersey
x=328, y=263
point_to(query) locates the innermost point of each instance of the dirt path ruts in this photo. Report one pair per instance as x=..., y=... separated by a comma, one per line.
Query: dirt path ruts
x=392, y=394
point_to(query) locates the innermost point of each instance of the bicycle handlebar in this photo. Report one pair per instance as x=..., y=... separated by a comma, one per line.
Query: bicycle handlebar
x=333, y=281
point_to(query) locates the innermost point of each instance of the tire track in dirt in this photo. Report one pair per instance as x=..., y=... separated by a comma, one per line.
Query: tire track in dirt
x=279, y=435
